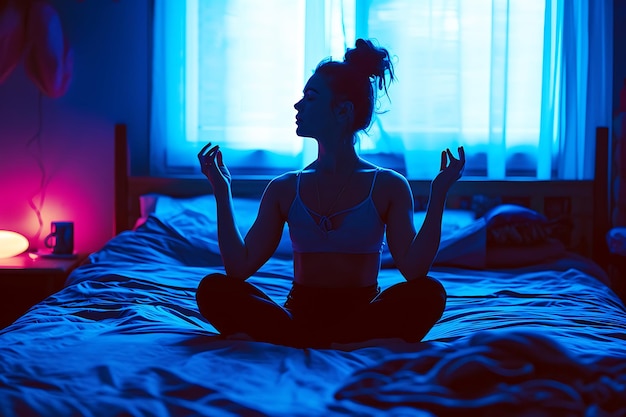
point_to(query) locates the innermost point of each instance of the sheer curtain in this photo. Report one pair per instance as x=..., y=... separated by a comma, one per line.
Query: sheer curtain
x=225, y=72
x=521, y=84
x=469, y=74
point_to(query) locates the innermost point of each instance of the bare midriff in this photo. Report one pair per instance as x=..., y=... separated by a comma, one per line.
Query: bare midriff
x=336, y=270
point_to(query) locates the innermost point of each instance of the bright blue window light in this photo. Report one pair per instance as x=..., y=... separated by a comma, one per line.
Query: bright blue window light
x=487, y=77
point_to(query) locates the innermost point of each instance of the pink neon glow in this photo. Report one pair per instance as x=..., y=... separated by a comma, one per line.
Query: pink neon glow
x=67, y=199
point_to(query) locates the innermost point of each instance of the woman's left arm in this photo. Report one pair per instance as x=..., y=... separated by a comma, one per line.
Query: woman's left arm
x=414, y=253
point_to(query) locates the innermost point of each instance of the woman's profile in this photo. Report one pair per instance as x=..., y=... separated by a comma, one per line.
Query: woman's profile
x=339, y=209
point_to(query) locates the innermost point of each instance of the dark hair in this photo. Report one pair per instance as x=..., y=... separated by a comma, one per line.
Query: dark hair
x=357, y=79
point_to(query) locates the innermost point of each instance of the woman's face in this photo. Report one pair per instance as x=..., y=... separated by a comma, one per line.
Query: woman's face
x=315, y=116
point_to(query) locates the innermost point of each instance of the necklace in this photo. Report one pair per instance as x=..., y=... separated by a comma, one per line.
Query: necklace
x=325, y=223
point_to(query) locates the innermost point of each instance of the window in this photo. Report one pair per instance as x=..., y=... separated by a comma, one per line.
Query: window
x=510, y=80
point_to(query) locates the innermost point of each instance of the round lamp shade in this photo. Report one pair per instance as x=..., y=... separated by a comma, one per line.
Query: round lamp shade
x=11, y=244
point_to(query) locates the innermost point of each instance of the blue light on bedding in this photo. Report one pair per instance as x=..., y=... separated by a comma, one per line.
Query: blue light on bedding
x=124, y=337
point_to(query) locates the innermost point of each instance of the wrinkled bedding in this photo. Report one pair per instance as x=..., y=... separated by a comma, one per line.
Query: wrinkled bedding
x=124, y=337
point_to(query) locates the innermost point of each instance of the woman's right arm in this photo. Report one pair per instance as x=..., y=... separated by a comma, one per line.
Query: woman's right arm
x=242, y=257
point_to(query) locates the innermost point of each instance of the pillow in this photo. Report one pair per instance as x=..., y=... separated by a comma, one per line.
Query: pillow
x=147, y=206
x=513, y=225
x=616, y=240
x=455, y=224
x=464, y=248
x=452, y=220
x=202, y=210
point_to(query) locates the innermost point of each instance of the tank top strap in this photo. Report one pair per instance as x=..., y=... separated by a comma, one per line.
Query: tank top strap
x=298, y=176
x=374, y=181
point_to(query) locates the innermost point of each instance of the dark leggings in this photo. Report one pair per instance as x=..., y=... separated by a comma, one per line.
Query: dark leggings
x=317, y=317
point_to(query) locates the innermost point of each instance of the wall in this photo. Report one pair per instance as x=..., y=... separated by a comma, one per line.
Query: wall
x=619, y=49
x=110, y=85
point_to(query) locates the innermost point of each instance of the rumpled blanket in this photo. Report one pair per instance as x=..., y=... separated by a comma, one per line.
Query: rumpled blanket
x=490, y=373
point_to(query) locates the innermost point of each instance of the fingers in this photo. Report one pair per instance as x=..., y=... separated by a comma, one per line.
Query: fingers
x=461, y=157
x=204, y=149
x=461, y=153
x=201, y=153
x=210, y=153
x=207, y=157
x=452, y=164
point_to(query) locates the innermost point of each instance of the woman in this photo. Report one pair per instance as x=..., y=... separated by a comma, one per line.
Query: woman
x=338, y=209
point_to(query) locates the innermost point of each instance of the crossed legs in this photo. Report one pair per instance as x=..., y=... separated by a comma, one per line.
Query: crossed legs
x=407, y=310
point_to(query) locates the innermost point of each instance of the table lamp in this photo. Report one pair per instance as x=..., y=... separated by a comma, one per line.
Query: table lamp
x=12, y=244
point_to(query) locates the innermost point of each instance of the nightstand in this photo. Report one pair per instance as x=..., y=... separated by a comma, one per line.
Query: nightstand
x=25, y=281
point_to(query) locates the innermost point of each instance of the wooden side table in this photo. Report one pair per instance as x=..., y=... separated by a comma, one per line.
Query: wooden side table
x=27, y=279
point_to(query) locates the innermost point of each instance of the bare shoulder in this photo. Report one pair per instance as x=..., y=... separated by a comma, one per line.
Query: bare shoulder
x=392, y=192
x=392, y=182
x=281, y=191
x=283, y=183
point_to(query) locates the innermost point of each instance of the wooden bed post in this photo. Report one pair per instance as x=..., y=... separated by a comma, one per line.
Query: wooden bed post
x=601, y=194
x=121, y=173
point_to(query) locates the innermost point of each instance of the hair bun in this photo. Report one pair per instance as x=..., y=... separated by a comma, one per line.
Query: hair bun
x=370, y=61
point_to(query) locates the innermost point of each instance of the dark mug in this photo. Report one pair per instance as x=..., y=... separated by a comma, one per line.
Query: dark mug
x=62, y=233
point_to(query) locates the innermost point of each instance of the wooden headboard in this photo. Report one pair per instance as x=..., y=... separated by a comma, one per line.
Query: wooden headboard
x=584, y=202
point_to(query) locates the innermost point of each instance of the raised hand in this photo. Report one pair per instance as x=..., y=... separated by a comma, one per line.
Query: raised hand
x=451, y=170
x=212, y=166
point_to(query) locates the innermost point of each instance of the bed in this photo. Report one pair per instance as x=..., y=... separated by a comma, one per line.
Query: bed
x=532, y=326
